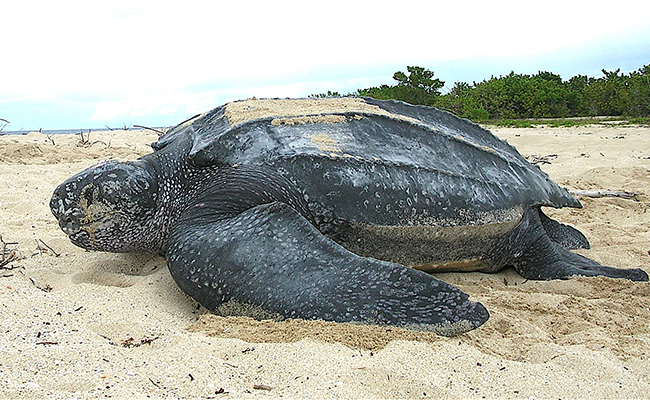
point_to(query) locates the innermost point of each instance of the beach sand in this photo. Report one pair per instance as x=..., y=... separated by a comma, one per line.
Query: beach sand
x=85, y=324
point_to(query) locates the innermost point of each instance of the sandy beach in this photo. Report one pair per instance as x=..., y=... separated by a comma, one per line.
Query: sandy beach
x=78, y=324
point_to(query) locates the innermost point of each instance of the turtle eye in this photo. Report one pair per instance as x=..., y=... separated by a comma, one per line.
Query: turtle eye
x=88, y=195
x=140, y=183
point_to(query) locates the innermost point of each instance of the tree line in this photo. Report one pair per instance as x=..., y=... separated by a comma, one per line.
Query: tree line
x=517, y=96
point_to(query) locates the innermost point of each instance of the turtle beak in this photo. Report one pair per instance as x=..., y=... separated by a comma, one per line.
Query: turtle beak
x=70, y=221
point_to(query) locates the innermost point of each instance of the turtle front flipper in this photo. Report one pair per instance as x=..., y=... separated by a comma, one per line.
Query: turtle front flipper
x=271, y=258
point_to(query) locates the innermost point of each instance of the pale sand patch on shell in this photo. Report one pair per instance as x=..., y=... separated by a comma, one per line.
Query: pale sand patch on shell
x=286, y=110
x=309, y=119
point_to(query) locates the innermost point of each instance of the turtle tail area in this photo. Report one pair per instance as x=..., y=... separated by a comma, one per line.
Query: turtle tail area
x=535, y=255
x=567, y=236
x=271, y=259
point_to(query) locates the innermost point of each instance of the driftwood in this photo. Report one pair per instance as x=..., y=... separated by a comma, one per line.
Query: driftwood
x=605, y=193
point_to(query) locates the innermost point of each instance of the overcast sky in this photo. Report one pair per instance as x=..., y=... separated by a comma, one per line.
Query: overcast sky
x=86, y=64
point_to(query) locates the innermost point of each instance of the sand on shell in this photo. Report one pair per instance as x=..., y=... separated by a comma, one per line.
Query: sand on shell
x=85, y=324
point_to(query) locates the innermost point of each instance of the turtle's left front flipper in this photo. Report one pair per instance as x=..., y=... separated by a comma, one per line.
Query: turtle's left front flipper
x=273, y=259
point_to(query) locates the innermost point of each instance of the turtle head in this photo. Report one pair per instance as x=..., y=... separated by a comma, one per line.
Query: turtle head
x=108, y=207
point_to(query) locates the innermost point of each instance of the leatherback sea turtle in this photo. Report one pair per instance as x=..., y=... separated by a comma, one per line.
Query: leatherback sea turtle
x=313, y=208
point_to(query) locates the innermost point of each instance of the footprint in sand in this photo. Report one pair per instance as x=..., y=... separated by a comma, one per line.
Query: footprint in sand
x=116, y=270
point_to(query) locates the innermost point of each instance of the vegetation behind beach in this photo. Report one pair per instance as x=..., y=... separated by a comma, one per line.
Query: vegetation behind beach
x=522, y=96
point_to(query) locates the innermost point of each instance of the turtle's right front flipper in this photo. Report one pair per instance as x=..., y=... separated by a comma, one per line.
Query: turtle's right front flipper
x=272, y=258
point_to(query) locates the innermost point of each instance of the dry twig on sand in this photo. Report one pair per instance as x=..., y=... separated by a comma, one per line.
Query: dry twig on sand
x=539, y=159
x=8, y=254
x=42, y=250
x=124, y=128
x=85, y=140
x=158, y=131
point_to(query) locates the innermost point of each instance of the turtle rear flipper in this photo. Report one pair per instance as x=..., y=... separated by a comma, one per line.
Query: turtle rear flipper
x=538, y=256
x=564, y=235
x=271, y=258
x=569, y=264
